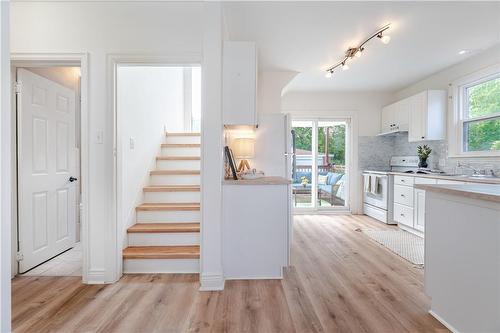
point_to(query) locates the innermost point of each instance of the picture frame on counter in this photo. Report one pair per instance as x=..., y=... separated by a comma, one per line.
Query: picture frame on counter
x=230, y=162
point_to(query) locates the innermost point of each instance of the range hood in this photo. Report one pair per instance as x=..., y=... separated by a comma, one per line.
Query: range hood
x=393, y=133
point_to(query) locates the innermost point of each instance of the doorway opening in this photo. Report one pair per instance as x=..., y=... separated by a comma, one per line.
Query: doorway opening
x=158, y=118
x=320, y=165
x=47, y=232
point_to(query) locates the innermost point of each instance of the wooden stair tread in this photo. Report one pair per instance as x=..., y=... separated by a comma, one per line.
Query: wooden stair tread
x=180, y=145
x=178, y=158
x=172, y=188
x=164, y=227
x=162, y=252
x=183, y=133
x=175, y=172
x=190, y=206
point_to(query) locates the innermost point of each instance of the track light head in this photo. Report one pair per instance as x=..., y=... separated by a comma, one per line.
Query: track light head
x=384, y=38
x=359, y=52
x=345, y=66
x=328, y=74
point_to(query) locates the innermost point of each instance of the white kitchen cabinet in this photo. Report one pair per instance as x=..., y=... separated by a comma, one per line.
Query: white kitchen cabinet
x=255, y=229
x=419, y=209
x=403, y=215
x=239, y=83
x=388, y=118
x=395, y=117
x=427, y=116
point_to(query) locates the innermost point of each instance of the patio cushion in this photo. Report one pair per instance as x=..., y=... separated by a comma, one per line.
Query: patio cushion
x=333, y=178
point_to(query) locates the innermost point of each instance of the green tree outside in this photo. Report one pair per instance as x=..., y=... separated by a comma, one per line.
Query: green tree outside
x=484, y=99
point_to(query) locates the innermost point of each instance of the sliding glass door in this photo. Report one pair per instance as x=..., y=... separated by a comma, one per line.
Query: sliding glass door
x=320, y=177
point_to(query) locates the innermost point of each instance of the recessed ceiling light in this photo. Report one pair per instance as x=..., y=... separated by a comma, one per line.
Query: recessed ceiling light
x=461, y=52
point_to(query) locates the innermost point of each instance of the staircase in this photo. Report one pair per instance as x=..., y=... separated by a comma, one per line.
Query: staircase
x=166, y=236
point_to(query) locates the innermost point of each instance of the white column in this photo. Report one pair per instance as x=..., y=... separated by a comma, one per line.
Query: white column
x=5, y=174
x=211, y=276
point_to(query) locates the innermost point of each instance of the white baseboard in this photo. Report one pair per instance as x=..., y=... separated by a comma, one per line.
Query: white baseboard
x=442, y=321
x=95, y=277
x=211, y=282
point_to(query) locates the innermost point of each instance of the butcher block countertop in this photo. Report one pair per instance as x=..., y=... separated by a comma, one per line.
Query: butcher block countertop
x=488, y=192
x=258, y=181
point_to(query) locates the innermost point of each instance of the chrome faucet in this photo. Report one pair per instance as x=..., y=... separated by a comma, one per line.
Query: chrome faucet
x=467, y=166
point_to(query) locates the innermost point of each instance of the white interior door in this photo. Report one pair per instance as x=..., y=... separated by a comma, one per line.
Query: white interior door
x=46, y=161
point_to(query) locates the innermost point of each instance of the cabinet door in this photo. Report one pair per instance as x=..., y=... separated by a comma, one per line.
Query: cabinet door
x=419, y=209
x=239, y=83
x=402, y=114
x=417, y=117
x=388, y=118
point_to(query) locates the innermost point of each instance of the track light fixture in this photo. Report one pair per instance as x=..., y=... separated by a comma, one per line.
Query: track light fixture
x=357, y=51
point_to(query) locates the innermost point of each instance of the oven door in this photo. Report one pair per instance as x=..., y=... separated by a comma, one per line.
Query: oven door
x=380, y=199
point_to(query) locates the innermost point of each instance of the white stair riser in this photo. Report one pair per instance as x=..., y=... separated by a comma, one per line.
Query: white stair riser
x=180, y=151
x=183, y=139
x=178, y=164
x=161, y=266
x=174, y=197
x=164, y=239
x=175, y=180
x=168, y=216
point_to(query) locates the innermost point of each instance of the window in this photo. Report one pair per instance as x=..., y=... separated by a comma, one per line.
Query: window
x=477, y=114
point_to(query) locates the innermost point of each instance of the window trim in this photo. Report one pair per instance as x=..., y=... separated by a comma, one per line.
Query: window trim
x=458, y=108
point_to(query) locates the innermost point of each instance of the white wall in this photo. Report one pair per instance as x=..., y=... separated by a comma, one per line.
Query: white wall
x=5, y=171
x=102, y=29
x=362, y=108
x=212, y=277
x=148, y=98
x=442, y=79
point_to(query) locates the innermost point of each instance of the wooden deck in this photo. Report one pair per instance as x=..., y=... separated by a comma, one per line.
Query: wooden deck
x=340, y=281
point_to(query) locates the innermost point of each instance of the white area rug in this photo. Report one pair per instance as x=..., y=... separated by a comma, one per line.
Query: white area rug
x=403, y=243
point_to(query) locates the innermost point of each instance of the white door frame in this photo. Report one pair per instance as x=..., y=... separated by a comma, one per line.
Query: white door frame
x=117, y=233
x=348, y=159
x=67, y=59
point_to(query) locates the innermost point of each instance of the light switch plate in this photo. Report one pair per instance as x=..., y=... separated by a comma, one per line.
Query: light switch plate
x=132, y=143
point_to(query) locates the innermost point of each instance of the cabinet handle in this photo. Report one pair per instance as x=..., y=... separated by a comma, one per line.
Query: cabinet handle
x=402, y=214
x=402, y=180
x=423, y=137
x=403, y=195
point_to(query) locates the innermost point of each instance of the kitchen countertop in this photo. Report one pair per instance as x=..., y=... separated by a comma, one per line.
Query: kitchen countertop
x=457, y=178
x=489, y=192
x=258, y=181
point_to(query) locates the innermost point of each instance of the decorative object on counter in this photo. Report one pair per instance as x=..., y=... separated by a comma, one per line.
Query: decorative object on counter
x=304, y=181
x=230, y=167
x=423, y=153
x=252, y=174
x=244, y=149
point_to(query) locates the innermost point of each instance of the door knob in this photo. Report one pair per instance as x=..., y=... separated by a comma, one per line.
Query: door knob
x=72, y=179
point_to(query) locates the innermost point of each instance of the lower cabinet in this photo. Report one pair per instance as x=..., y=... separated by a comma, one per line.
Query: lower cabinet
x=419, y=209
x=409, y=202
x=403, y=215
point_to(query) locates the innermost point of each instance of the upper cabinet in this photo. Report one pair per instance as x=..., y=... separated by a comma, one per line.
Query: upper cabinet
x=395, y=117
x=239, y=83
x=422, y=115
x=427, y=116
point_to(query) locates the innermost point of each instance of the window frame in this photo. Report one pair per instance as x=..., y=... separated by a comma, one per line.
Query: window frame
x=459, y=116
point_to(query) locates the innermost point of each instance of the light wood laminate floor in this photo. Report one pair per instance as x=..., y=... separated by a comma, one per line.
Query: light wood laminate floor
x=339, y=281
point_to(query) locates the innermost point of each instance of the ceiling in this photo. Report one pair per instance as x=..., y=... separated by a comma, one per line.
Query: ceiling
x=307, y=37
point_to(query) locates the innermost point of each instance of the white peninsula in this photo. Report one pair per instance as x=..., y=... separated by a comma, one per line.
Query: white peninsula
x=462, y=255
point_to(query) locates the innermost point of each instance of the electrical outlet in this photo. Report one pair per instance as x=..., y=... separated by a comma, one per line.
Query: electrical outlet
x=132, y=143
